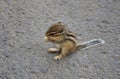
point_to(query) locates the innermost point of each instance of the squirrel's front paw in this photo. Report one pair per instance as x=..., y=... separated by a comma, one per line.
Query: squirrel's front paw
x=59, y=57
x=53, y=50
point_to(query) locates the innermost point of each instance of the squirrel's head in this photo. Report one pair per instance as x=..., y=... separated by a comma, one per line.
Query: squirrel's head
x=55, y=33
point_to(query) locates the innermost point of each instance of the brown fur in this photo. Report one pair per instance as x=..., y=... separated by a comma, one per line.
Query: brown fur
x=59, y=34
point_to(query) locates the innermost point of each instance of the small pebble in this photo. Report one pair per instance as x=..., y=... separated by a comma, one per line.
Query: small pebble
x=103, y=52
x=117, y=62
x=44, y=70
x=81, y=33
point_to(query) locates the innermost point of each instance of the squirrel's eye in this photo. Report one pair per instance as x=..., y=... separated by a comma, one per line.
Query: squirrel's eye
x=51, y=34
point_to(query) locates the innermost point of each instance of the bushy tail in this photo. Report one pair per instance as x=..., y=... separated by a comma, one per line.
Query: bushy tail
x=91, y=43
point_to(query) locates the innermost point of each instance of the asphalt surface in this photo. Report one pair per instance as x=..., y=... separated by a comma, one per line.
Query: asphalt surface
x=23, y=52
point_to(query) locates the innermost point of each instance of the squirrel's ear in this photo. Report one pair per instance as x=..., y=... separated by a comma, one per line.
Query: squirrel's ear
x=59, y=22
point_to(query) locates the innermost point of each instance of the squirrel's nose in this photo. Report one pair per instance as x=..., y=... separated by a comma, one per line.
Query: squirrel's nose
x=45, y=39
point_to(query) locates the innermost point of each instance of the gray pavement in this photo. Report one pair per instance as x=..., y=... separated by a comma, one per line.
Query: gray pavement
x=23, y=52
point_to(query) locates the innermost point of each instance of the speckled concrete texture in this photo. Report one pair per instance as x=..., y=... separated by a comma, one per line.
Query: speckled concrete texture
x=23, y=52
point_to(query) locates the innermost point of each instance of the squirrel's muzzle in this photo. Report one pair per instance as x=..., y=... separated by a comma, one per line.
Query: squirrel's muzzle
x=45, y=38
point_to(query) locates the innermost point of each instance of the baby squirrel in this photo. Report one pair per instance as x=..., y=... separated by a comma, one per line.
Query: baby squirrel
x=58, y=33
